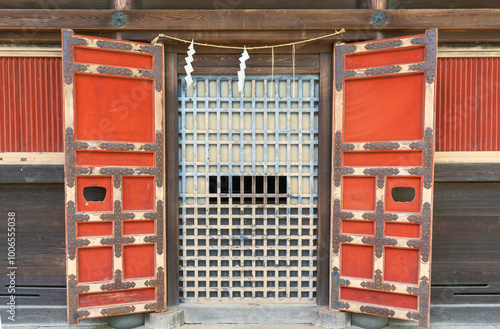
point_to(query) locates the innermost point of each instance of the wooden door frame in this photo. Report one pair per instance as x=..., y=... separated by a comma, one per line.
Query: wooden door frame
x=173, y=67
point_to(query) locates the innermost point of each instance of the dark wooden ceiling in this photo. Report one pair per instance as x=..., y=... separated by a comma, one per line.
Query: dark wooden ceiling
x=246, y=4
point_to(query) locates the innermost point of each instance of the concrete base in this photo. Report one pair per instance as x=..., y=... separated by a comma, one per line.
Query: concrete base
x=368, y=321
x=323, y=317
x=172, y=318
x=247, y=313
x=127, y=321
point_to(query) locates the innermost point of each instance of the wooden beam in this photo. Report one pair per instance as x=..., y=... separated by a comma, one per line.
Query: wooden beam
x=254, y=38
x=32, y=20
x=172, y=179
x=467, y=172
x=324, y=177
x=469, y=51
x=257, y=64
x=37, y=158
x=492, y=157
x=31, y=174
x=379, y=5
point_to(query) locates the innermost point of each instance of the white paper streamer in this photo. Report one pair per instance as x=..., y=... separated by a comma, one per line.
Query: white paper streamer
x=241, y=72
x=188, y=67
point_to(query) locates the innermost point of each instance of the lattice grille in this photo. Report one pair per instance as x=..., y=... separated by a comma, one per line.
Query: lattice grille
x=248, y=189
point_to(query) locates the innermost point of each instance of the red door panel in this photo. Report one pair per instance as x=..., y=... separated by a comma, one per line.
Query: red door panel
x=383, y=176
x=113, y=114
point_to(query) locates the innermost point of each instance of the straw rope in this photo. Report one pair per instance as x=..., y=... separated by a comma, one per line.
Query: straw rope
x=161, y=35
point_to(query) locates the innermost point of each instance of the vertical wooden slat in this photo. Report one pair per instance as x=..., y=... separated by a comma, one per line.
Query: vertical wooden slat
x=324, y=177
x=172, y=179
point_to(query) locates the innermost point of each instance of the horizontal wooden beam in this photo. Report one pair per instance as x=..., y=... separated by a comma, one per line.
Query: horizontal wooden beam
x=468, y=156
x=32, y=20
x=467, y=172
x=31, y=174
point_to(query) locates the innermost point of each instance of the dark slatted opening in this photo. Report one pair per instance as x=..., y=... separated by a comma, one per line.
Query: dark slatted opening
x=249, y=189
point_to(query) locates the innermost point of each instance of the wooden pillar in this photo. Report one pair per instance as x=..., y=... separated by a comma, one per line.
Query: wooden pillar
x=123, y=5
x=324, y=177
x=379, y=5
x=373, y=4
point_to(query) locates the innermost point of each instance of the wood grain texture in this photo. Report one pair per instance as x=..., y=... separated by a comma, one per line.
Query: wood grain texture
x=324, y=177
x=467, y=172
x=466, y=253
x=255, y=37
x=40, y=243
x=32, y=174
x=172, y=179
x=232, y=4
x=246, y=19
x=257, y=64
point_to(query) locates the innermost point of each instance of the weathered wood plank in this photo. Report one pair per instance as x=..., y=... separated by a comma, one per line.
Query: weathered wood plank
x=466, y=253
x=32, y=173
x=172, y=179
x=40, y=243
x=467, y=172
x=235, y=4
x=254, y=37
x=247, y=20
x=36, y=295
x=257, y=64
x=324, y=177
x=467, y=199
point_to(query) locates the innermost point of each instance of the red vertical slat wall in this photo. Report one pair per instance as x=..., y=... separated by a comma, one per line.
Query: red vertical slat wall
x=488, y=105
x=468, y=104
x=9, y=113
x=31, y=105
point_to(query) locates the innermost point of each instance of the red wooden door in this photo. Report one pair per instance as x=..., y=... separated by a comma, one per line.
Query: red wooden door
x=113, y=96
x=383, y=176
